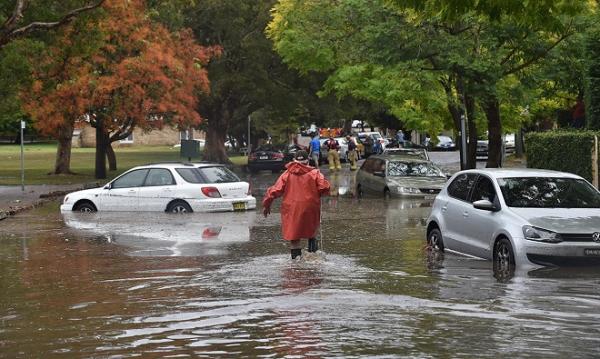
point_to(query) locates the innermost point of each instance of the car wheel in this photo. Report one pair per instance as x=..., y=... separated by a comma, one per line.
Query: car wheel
x=359, y=191
x=435, y=240
x=504, y=256
x=387, y=194
x=85, y=206
x=179, y=207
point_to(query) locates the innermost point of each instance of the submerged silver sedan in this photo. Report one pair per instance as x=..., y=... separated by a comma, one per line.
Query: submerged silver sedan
x=399, y=176
x=518, y=217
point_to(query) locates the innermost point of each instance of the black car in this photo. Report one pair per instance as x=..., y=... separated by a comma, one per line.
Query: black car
x=271, y=158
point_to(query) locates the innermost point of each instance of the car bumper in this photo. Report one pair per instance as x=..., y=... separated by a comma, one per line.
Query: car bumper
x=223, y=205
x=266, y=166
x=564, y=253
x=66, y=207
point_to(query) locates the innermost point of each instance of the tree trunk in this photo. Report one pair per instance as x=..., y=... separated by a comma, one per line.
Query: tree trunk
x=110, y=156
x=214, y=149
x=472, y=133
x=492, y=113
x=100, y=148
x=62, y=165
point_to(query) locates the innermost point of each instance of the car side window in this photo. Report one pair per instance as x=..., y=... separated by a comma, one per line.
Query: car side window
x=130, y=179
x=461, y=186
x=484, y=189
x=159, y=177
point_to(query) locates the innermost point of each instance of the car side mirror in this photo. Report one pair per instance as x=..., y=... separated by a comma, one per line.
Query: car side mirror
x=485, y=205
x=379, y=173
x=108, y=186
x=448, y=175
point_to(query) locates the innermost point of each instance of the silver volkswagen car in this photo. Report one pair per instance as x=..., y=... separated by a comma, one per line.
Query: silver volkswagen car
x=399, y=176
x=518, y=217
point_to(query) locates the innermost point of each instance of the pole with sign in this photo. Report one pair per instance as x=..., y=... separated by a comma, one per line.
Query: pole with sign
x=22, y=159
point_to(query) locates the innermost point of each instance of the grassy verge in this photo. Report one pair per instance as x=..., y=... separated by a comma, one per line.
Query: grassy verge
x=40, y=158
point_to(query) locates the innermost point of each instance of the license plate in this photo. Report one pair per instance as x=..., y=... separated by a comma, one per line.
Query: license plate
x=592, y=252
x=239, y=206
x=263, y=157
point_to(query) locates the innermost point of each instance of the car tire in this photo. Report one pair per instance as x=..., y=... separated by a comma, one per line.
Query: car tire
x=387, y=194
x=435, y=240
x=85, y=206
x=504, y=257
x=179, y=207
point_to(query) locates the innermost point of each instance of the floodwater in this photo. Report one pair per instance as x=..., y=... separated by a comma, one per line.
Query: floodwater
x=223, y=285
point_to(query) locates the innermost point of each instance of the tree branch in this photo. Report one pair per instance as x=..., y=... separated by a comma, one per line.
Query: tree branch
x=9, y=31
x=539, y=56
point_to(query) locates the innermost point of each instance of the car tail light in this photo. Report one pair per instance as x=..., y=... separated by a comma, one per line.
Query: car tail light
x=212, y=192
x=277, y=155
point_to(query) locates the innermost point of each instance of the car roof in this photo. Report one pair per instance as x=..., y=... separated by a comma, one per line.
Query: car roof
x=400, y=157
x=180, y=164
x=520, y=172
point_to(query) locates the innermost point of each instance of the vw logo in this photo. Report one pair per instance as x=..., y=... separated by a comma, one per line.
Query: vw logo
x=596, y=236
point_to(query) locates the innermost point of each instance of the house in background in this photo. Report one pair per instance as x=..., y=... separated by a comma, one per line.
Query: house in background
x=85, y=136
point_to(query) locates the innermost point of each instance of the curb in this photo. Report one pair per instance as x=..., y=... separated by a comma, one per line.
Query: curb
x=44, y=198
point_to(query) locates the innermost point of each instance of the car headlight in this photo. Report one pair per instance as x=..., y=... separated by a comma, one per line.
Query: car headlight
x=407, y=190
x=541, y=235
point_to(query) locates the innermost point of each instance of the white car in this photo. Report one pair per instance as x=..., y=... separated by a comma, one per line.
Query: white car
x=518, y=217
x=170, y=187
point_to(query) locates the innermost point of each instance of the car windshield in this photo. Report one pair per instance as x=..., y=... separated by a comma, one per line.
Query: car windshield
x=548, y=192
x=413, y=169
x=218, y=174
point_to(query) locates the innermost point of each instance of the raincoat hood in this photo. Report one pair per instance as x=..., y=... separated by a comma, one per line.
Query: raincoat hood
x=298, y=168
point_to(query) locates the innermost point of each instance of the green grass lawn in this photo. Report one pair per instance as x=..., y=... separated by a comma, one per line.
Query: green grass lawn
x=40, y=158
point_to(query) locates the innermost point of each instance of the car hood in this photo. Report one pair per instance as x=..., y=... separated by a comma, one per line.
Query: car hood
x=562, y=220
x=429, y=182
x=86, y=192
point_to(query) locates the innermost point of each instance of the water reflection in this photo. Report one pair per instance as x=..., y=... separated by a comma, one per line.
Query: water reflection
x=162, y=234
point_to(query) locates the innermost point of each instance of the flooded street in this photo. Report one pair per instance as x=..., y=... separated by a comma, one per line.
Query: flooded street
x=223, y=285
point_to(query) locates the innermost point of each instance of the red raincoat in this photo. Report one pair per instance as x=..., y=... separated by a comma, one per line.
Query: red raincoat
x=302, y=187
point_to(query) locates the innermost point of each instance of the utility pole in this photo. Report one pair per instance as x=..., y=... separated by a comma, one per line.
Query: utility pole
x=249, y=147
x=22, y=158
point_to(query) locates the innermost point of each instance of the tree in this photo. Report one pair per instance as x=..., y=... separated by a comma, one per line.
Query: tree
x=431, y=49
x=13, y=24
x=139, y=76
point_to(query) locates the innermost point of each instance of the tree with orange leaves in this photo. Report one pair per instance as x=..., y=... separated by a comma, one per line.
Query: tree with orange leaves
x=140, y=75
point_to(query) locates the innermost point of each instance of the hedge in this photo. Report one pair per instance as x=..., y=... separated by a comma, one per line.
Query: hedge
x=567, y=151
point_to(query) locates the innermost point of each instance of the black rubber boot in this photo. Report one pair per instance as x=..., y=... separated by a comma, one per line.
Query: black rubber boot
x=296, y=253
x=312, y=245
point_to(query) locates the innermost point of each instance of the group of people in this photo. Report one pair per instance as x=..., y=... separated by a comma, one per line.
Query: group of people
x=333, y=152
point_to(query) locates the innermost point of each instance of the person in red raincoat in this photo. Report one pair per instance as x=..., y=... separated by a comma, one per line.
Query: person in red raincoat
x=301, y=187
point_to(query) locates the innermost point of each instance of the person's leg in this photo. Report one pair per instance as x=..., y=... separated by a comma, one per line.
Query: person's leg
x=295, y=248
x=331, y=160
x=338, y=164
x=312, y=245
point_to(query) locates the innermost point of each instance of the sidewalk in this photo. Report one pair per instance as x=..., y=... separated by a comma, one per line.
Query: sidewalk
x=13, y=200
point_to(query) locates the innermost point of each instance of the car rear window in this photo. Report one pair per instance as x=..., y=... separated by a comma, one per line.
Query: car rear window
x=414, y=169
x=218, y=174
x=191, y=175
x=548, y=192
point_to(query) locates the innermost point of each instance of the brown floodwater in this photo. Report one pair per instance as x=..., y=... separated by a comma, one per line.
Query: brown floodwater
x=223, y=285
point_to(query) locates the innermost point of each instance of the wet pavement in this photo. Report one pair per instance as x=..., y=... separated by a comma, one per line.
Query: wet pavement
x=222, y=285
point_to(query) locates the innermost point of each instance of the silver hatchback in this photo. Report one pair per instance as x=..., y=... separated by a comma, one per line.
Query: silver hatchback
x=399, y=176
x=518, y=217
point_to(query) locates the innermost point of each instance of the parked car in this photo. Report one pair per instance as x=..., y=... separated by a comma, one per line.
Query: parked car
x=445, y=143
x=401, y=151
x=482, y=148
x=518, y=217
x=170, y=187
x=399, y=176
x=268, y=158
x=509, y=142
x=375, y=135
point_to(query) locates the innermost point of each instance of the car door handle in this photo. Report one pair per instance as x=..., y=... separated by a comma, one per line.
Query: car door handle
x=465, y=214
x=444, y=208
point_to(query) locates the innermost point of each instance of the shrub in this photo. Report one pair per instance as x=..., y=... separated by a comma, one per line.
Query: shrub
x=567, y=151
